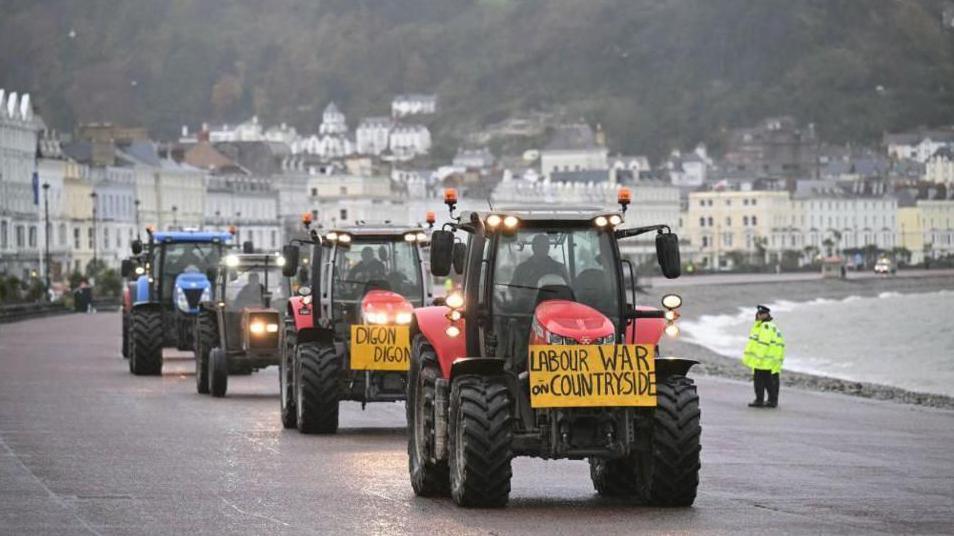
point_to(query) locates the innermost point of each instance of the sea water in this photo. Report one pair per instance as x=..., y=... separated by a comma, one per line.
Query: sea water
x=901, y=340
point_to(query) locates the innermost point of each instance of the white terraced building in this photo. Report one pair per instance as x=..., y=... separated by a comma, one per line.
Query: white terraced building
x=20, y=223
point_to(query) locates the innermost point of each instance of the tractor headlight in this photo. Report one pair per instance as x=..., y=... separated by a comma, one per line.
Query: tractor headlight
x=256, y=328
x=181, y=302
x=452, y=331
x=206, y=294
x=231, y=261
x=403, y=318
x=140, y=270
x=372, y=317
x=454, y=300
x=553, y=338
x=609, y=339
x=672, y=301
x=672, y=330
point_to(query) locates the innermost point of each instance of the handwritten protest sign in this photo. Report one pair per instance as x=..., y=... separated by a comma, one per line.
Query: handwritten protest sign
x=380, y=347
x=592, y=376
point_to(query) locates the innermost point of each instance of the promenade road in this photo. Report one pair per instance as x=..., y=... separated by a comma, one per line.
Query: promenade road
x=86, y=448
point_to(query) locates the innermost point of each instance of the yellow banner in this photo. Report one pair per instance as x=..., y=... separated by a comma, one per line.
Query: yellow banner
x=601, y=375
x=380, y=347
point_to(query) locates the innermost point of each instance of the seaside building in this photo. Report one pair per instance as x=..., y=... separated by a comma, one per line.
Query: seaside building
x=19, y=198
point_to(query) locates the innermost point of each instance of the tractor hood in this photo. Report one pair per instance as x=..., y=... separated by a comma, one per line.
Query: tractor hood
x=386, y=307
x=573, y=320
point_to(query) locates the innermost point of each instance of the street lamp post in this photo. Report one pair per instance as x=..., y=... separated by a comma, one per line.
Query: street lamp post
x=46, y=230
x=136, y=203
x=93, y=196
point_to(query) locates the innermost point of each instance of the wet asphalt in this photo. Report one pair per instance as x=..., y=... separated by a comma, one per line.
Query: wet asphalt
x=86, y=448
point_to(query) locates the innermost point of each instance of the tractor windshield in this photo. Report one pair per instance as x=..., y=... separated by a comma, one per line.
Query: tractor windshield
x=185, y=257
x=253, y=286
x=381, y=264
x=535, y=265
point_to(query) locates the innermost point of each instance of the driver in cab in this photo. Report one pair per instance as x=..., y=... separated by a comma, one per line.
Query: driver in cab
x=368, y=268
x=251, y=293
x=529, y=272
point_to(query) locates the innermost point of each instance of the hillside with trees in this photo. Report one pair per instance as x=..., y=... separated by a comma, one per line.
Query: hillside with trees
x=655, y=73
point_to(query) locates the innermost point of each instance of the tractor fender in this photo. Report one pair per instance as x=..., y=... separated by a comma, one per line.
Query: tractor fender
x=673, y=366
x=141, y=292
x=147, y=306
x=301, y=313
x=647, y=330
x=432, y=323
x=480, y=366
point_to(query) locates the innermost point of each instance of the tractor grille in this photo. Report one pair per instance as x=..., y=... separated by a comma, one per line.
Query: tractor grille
x=193, y=295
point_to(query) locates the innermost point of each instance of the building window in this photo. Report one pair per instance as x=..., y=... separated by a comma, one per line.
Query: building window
x=344, y=214
x=705, y=241
x=343, y=190
x=754, y=221
x=745, y=202
x=20, y=239
x=745, y=220
x=3, y=235
x=274, y=239
x=106, y=238
x=702, y=222
x=711, y=221
x=33, y=236
x=314, y=192
x=728, y=221
x=61, y=233
x=89, y=238
x=702, y=202
x=76, y=238
x=753, y=202
x=728, y=202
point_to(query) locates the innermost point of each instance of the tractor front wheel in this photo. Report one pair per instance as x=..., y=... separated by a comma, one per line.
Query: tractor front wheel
x=286, y=381
x=206, y=335
x=429, y=477
x=480, y=441
x=145, y=355
x=218, y=372
x=677, y=432
x=317, y=368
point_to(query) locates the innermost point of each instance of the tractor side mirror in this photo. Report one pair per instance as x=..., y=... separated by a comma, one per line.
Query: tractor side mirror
x=127, y=268
x=442, y=250
x=137, y=246
x=248, y=247
x=667, y=252
x=459, y=256
x=290, y=268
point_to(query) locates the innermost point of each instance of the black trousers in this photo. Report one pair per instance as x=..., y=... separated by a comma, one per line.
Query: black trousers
x=764, y=380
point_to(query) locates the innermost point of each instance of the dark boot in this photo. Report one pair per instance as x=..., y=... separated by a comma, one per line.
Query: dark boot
x=756, y=404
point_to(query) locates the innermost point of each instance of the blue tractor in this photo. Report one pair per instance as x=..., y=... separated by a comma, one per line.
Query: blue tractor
x=177, y=269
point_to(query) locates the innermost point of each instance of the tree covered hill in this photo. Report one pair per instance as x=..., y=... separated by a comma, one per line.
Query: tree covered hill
x=655, y=73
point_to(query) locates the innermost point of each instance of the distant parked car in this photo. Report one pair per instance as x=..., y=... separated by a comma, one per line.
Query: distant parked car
x=885, y=266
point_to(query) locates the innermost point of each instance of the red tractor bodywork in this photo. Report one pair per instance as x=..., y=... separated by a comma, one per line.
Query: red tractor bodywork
x=386, y=305
x=645, y=330
x=300, y=312
x=432, y=323
x=570, y=320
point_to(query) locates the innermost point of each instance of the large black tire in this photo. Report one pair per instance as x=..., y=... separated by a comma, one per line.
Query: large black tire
x=125, y=343
x=618, y=478
x=145, y=351
x=480, y=435
x=677, y=432
x=207, y=335
x=428, y=478
x=317, y=368
x=286, y=380
x=218, y=373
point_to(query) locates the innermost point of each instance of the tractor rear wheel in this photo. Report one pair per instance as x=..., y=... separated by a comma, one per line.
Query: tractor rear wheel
x=480, y=440
x=206, y=335
x=677, y=432
x=286, y=379
x=617, y=478
x=317, y=369
x=218, y=372
x=145, y=356
x=429, y=478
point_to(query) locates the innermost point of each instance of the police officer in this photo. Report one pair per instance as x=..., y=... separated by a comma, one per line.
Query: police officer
x=764, y=354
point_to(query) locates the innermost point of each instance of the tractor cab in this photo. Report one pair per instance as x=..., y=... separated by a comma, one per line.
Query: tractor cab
x=544, y=353
x=351, y=321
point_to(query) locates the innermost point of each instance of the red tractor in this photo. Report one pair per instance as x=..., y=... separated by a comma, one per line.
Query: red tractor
x=544, y=353
x=348, y=326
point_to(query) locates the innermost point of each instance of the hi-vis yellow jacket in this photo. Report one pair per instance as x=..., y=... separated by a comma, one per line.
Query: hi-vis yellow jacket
x=765, y=349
